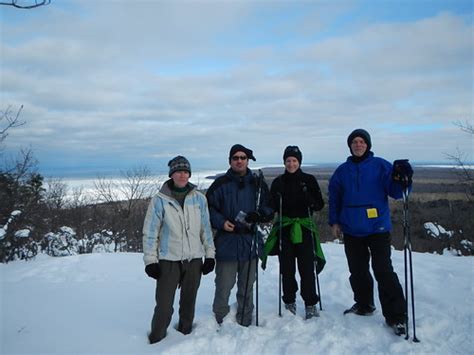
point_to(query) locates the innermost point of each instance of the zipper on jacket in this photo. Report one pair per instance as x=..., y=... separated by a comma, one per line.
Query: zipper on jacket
x=175, y=204
x=358, y=178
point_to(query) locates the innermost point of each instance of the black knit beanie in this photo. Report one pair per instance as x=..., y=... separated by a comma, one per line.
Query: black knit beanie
x=179, y=163
x=240, y=148
x=293, y=151
x=362, y=133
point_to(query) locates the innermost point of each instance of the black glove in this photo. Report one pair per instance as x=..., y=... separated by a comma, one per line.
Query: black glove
x=253, y=217
x=208, y=266
x=402, y=172
x=153, y=271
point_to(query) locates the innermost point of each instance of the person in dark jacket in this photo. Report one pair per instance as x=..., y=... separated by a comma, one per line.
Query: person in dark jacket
x=232, y=200
x=297, y=195
x=359, y=211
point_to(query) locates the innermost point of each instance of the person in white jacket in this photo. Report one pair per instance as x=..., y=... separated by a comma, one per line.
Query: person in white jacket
x=176, y=237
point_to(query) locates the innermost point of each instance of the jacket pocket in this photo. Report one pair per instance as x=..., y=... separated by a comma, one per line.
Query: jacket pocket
x=356, y=218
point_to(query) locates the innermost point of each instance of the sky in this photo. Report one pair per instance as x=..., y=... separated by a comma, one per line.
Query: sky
x=103, y=304
x=113, y=84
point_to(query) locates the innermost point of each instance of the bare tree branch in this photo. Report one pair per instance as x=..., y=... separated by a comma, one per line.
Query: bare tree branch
x=78, y=198
x=465, y=126
x=19, y=4
x=105, y=189
x=22, y=166
x=463, y=170
x=8, y=121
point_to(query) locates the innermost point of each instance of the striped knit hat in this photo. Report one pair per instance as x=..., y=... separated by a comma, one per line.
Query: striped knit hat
x=179, y=163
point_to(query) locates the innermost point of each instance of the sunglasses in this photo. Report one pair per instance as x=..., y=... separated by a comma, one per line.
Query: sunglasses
x=237, y=157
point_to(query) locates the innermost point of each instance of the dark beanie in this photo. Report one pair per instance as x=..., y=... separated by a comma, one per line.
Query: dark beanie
x=360, y=133
x=179, y=163
x=293, y=151
x=240, y=148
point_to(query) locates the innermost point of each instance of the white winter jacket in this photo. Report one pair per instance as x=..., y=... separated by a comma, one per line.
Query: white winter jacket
x=173, y=233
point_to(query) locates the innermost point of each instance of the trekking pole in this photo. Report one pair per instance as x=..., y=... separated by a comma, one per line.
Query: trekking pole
x=252, y=245
x=315, y=260
x=407, y=250
x=256, y=274
x=280, y=217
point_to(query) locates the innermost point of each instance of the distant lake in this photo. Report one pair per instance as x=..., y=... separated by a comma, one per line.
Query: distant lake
x=201, y=178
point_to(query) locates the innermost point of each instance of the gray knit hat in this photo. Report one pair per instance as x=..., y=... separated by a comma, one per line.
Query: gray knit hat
x=179, y=163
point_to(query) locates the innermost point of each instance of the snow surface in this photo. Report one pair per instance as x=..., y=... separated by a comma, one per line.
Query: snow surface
x=103, y=303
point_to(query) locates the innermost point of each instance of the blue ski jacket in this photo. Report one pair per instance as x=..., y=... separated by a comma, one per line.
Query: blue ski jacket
x=227, y=196
x=358, y=196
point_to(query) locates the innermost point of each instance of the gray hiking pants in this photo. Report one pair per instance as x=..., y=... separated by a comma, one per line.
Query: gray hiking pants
x=174, y=273
x=226, y=274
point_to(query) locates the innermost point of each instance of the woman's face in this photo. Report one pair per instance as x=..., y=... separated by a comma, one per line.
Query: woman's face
x=180, y=178
x=291, y=164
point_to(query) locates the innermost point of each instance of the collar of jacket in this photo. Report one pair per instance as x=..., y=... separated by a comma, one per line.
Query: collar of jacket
x=166, y=189
x=292, y=176
x=355, y=160
x=248, y=177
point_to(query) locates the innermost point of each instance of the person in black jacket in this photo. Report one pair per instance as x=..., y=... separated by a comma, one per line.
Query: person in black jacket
x=298, y=195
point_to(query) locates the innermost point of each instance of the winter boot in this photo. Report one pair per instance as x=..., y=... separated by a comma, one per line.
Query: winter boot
x=311, y=311
x=361, y=310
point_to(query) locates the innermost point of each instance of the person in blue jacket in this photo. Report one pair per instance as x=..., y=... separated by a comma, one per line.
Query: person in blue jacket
x=359, y=211
x=232, y=200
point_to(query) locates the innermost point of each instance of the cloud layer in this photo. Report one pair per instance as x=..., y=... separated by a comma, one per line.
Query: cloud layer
x=111, y=85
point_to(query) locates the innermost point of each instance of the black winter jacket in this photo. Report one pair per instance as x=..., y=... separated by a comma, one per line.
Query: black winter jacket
x=299, y=191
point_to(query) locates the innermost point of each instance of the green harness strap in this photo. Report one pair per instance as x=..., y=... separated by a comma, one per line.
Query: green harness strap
x=296, y=237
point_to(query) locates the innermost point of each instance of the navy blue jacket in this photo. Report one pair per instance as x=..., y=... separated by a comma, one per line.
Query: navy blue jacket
x=358, y=196
x=227, y=196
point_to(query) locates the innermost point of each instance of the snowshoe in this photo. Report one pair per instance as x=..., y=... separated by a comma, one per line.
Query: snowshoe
x=291, y=307
x=398, y=328
x=311, y=312
x=361, y=310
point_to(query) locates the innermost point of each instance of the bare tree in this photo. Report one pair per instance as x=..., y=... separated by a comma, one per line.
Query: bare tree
x=9, y=120
x=78, y=198
x=134, y=185
x=26, y=4
x=125, y=199
x=460, y=158
x=56, y=193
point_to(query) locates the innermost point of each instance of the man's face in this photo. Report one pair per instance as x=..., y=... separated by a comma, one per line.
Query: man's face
x=358, y=146
x=239, y=163
x=180, y=178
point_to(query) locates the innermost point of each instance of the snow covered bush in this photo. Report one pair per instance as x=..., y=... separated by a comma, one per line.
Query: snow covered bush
x=61, y=243
x=16, y=245
x=435, y=230
x=103, y=242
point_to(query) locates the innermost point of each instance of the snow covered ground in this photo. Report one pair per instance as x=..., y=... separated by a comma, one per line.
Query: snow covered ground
x=102, y=304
